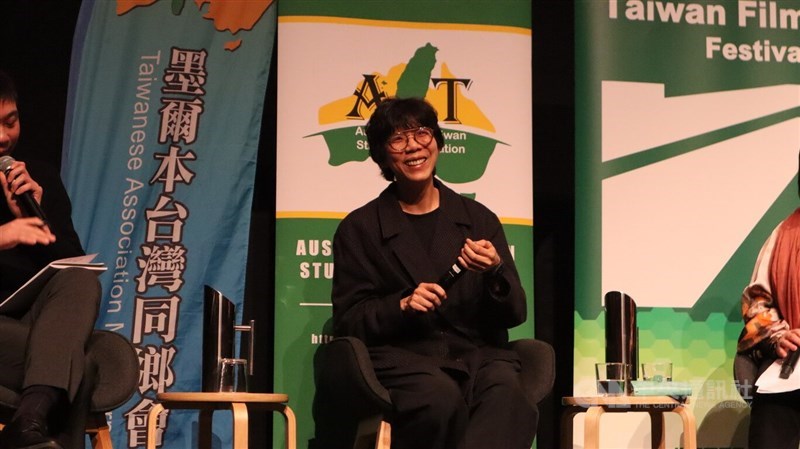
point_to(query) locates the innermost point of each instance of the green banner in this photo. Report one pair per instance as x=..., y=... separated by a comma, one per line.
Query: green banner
x=686, y=158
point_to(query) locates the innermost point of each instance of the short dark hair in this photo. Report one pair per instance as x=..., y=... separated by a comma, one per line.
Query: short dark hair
x=8, y=91
x=392, y=114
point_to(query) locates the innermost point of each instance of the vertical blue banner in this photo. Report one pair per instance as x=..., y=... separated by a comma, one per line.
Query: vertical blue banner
x=164, y=115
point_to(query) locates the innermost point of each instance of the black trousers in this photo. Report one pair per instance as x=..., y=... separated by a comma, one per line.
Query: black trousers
x=775, y=421
x=438, y=408
x=45, y=346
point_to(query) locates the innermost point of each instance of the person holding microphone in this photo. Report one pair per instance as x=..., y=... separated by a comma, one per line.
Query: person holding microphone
x=41, y=345
x=436, y=340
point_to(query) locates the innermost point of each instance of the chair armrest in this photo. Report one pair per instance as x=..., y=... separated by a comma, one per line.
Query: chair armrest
x=343, y=370
x=538, y=367
x=347, y=392
x=117, y=369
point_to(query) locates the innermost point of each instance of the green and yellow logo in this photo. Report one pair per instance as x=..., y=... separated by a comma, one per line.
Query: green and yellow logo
x=466, y=152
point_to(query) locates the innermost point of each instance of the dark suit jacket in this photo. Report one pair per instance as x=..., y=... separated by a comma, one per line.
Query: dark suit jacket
x=20, y=263
x=63, y=363
x=378, y=260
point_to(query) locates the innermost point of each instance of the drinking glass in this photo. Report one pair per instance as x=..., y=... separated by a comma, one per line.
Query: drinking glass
x=612, y=378
x=657, y=371
x=233, y=375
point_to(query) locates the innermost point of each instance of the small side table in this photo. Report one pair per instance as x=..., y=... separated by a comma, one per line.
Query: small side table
x=237, y=403
x=595, y=406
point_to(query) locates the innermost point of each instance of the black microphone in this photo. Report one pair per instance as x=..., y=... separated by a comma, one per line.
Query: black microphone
x=453, y=274
x=26, y=200
x=787, y=368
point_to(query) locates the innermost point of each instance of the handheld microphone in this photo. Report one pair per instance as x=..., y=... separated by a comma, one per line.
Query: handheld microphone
x=453, y=274
x=27, y=202
x=787, y=368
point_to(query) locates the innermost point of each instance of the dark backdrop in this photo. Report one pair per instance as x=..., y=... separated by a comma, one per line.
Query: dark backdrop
x=37, y=39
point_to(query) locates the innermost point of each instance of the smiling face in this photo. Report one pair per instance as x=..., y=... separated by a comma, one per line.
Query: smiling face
x=397, y=121
x=9, y=126
x=416, y=162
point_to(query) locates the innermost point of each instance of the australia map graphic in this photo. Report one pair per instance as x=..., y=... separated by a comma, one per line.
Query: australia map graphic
x=467, y=131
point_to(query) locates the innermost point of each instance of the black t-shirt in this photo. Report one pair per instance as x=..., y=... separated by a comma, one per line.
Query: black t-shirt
x=424, y=226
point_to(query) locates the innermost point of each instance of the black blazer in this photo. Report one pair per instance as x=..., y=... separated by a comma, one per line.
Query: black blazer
x=378, y=260
x=20, y=263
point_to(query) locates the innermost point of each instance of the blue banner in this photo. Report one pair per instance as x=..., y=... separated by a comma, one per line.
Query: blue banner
x=164, y=117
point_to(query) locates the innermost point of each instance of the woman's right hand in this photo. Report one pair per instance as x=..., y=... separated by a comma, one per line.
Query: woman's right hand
x=425, y=298
x=789, y=341
x=25, y=231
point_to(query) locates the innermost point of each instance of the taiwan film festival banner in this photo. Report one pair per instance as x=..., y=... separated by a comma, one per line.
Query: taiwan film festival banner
x=686, y=153
x=166, y=99
x=337, y=60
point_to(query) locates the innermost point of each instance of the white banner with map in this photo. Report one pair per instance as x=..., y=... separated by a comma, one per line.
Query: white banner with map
x=336, y=62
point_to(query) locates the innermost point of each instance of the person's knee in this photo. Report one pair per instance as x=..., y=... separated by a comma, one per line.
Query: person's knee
x=436, y=402
x=81, y=286
x=502, y=413
x=446, y=402
x=444, y=416
x=508, y=398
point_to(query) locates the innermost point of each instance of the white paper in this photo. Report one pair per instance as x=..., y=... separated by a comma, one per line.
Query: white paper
x=24, y=296
x=771, y=382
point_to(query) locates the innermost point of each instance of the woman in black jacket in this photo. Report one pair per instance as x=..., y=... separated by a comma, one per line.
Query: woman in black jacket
x=439, y=351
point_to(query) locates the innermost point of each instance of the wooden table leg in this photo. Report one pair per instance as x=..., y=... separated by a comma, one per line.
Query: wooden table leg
x=101, y=439
x=240, y=426
x=240, y=422
x=689, y=427
x=657, y=437
x=591, y=427
x=567, y=424
x=204, y=427
x=291, y=427
x=289, y=419
x=152, y=425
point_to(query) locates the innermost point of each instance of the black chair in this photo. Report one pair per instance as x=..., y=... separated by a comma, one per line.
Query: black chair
x=110, y=379
x=349, y=402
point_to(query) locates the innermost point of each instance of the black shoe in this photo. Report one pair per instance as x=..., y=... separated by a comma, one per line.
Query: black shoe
x=27, y=433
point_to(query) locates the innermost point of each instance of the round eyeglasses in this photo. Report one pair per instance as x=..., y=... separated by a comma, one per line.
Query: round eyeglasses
x=398, y=142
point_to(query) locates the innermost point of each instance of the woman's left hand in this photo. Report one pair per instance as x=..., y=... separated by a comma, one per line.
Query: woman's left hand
x=479, y=255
